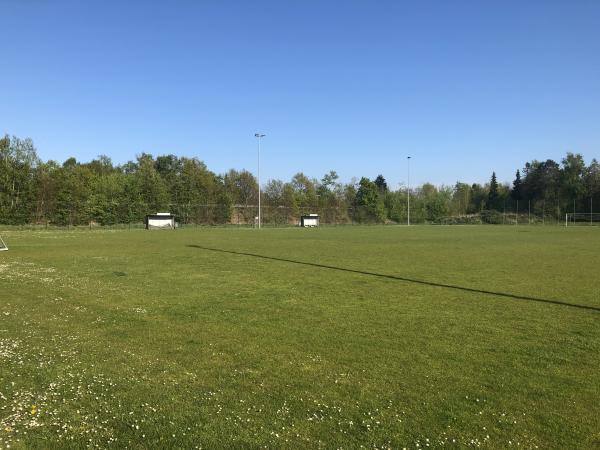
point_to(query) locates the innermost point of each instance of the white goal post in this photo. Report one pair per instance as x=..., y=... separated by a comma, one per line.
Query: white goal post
x=3, y=246
x=582, y=219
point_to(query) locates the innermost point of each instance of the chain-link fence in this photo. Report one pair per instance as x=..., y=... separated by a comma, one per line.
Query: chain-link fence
x=247, y=215
x=282, y=216
x=499, y=218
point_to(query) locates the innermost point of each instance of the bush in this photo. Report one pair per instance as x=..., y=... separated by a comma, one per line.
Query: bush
x=491, y=217
x=471, y=219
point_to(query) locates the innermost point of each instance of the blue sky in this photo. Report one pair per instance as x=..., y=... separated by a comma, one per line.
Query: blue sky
x=464, y=87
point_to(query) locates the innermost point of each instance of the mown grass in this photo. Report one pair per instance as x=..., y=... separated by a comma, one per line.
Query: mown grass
x=169, y=340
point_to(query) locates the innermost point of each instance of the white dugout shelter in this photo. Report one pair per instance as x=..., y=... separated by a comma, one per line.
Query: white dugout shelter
x=160, y=221
x=312, y=220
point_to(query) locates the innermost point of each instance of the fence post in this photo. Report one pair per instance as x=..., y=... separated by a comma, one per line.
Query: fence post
x=544, y=213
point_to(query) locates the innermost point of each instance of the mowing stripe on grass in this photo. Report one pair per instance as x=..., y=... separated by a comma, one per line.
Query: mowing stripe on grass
x=407, y=280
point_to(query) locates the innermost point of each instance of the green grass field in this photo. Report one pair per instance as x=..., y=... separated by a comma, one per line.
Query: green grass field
x=334, y=338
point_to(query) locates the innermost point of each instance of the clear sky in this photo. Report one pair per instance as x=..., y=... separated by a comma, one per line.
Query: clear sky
x=464, y=87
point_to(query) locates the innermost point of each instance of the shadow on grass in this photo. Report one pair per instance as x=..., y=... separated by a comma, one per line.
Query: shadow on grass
x=407, y=280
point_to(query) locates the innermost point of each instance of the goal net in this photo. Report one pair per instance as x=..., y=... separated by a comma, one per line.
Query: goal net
x=582, y=219
x=3, y=246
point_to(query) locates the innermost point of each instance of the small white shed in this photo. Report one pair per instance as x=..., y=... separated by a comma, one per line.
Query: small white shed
x=312, y=220
x=160, y=221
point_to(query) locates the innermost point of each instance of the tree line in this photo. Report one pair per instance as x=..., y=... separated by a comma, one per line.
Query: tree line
x=100, y=192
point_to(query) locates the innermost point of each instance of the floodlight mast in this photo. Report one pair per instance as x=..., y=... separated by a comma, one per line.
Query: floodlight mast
x=258, y=137
x=408, y=192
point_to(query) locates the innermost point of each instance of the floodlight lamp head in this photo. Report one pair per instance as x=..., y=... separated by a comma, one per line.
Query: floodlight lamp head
x=258, y=135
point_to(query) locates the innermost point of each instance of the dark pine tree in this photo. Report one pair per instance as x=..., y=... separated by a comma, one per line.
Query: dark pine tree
x=517, y=191
x=381, y=183
x=493, y=196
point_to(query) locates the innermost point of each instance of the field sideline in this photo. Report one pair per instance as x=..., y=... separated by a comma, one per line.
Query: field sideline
x=380, y=336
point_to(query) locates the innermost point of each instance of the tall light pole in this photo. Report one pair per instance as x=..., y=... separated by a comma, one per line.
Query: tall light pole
x=258, y=137
x=408, y=217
